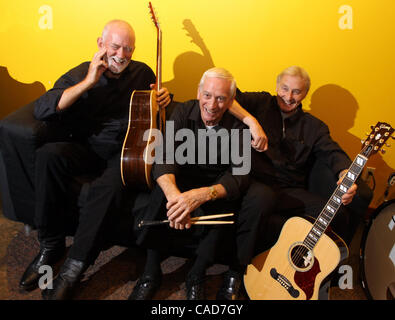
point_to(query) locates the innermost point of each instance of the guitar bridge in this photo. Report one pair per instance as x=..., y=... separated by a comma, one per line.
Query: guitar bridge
x=284, y=282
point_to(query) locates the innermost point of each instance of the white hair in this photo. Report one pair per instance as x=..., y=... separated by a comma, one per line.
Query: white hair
x=295, y=71
x=222, y=74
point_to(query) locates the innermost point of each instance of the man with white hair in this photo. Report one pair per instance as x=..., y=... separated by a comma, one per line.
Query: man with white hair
x=91, y=101
x=197, y=188
x=289, y=141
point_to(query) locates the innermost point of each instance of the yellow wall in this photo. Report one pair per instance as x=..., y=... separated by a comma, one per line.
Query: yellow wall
x=349, y=54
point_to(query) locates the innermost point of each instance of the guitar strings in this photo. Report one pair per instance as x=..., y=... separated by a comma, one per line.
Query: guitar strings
x=298, y=253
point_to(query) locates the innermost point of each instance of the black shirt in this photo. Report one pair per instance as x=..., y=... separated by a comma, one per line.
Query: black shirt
x=295, y=142
x=197, y=173
x=99, y=117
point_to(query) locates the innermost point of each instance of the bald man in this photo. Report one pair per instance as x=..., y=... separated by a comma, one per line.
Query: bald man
x=91, y=101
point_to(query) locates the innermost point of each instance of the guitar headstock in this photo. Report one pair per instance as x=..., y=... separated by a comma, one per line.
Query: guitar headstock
x=154, y=16
x=381, y=132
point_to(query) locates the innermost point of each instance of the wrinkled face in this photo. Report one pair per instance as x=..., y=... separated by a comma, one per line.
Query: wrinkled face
x=290, y=92
x=119, y=43
x=214, y=99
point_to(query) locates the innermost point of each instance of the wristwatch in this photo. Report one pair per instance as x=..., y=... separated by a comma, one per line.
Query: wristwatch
x=213, y=193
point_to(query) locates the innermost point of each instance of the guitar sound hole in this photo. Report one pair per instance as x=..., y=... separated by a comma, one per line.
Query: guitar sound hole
x=301, y=257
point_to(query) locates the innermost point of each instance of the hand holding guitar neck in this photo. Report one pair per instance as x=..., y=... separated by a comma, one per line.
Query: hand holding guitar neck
x=349, y=195
x=162, y=96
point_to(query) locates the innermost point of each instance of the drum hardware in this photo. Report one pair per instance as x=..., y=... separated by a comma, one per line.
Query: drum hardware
x=391, y=182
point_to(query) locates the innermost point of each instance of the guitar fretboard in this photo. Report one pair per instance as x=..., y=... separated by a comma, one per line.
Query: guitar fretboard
x=334, y=202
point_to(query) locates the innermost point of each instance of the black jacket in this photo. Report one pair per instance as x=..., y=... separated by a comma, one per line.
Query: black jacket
x=294, y=143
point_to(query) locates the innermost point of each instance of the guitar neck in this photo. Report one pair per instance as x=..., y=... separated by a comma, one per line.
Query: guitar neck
x=376, y=139
x=332, y=206
x=158, y=84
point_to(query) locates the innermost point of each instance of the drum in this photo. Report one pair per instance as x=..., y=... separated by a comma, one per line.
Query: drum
x=377, y=263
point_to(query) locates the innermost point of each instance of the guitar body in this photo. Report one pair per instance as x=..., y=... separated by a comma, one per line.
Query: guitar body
x=143, y=117
x=289, y=270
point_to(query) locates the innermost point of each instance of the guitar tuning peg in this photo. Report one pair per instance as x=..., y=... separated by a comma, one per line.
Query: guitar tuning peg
x=362, y=141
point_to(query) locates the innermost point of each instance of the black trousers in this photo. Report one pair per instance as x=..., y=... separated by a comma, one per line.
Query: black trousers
x=56, y=166
x=256, y=205
x=233, y=244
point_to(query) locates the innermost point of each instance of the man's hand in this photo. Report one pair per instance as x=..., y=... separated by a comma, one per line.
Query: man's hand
x=348, y=196
x=180, y=206
x=259, y=139
x=97, y=67
x=162, y=96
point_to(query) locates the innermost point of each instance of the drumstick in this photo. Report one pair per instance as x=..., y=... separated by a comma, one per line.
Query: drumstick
x=212, y=222
x=213, y=216
x=194, y=220
x=153, y=223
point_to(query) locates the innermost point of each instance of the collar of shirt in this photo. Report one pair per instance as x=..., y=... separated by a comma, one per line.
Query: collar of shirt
x=292, y=118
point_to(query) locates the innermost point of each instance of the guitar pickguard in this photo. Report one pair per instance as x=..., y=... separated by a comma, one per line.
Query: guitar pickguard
x=306, y=280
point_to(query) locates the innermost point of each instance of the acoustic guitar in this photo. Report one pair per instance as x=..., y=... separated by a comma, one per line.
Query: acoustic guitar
x=145, y=115
x=304, y=255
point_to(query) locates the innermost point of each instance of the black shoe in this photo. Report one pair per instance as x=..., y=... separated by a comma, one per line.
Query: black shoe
x=230, y=286
x=63, y=286
x=46, y=256
x=195, y=288
x=145, y=287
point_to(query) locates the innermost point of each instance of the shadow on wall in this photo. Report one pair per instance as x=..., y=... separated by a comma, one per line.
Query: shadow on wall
x=15, y=94
x=338, y=108
x=189, y=67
